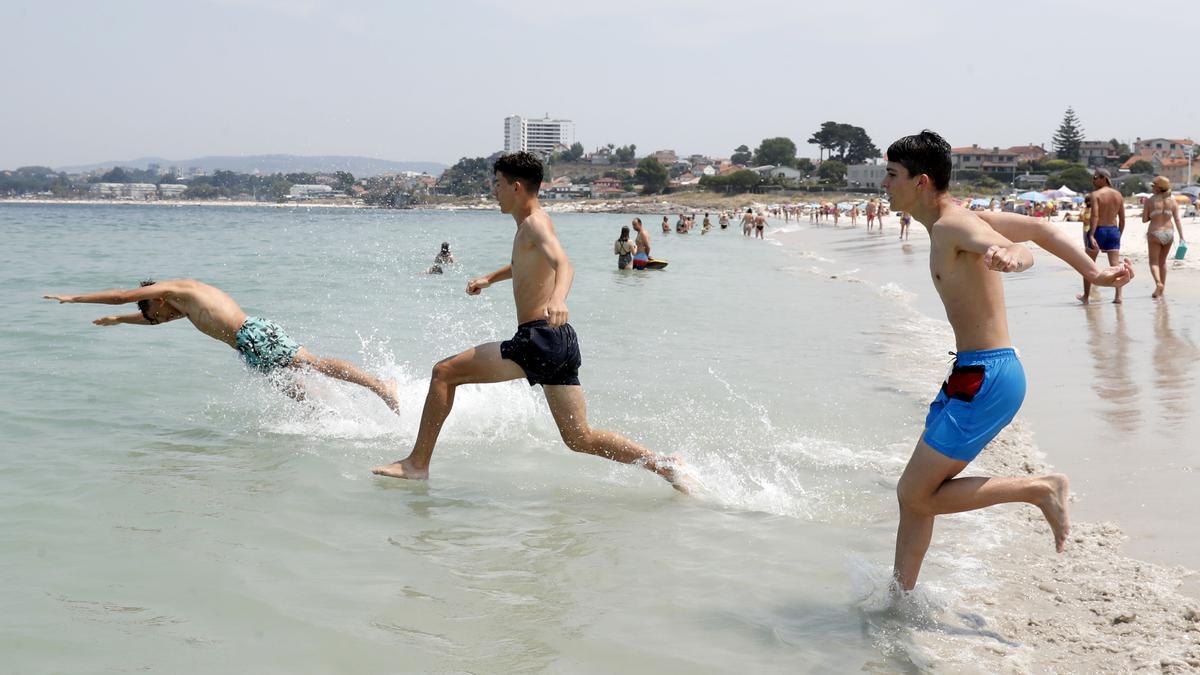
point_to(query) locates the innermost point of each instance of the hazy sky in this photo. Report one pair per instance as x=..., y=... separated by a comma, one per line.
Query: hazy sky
x=432, y=80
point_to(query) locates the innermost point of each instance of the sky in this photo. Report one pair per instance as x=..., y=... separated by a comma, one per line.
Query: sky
x=432, y=81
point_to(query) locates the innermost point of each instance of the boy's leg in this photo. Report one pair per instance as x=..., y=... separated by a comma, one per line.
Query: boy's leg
x=569, y=408
x=348, y=372
x=929, y=488
x=478, y=365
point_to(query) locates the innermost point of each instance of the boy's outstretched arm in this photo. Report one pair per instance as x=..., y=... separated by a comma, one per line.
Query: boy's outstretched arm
x=134, y=319
x=1015, y=227
x=121, y=296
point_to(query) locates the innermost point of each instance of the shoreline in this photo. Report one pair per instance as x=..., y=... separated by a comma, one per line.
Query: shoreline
x=1094, y=608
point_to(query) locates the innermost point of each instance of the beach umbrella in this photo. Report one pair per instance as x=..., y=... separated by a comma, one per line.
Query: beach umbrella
x=1032, y=196
x=1077, y=200
x=1192, y=190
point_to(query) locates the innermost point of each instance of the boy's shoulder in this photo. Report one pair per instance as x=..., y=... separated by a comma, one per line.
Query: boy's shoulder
x=955, y=221
x=537, y=225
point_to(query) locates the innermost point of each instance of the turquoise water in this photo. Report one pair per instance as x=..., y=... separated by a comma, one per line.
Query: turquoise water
x=164, y=508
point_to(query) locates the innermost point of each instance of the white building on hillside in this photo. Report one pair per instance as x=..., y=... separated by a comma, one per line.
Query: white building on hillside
x=310, y=191
x=171, y=190
x=866, y=175
x=538, y=136
x=772, y=171
x=134, y=191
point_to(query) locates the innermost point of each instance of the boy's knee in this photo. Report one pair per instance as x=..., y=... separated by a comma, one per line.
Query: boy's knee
x=444, y=371
x=912, y=500
x=577, y=440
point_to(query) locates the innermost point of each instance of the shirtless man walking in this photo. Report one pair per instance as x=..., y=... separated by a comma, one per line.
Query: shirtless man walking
x=544, y=350
x=1108, y=224
x=987, y=384
x=261, y=343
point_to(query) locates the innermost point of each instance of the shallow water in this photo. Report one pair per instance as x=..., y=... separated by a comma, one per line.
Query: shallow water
x=167, y=509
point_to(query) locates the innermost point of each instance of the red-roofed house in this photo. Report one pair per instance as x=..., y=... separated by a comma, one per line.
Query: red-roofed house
x=1170, y=157
x=606, y=187
x=1160, y=144
x=992, y=160
x=1028, y=153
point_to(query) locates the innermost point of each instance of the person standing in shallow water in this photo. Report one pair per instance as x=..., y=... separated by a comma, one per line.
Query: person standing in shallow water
x=624, y=250
x=641, y=257
x=444, y=256
x=986, y=386
x=545, y=348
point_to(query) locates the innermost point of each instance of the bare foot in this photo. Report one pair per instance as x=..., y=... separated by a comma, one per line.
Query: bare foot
x=1158, y=291
x=1081, y=298
x=391, y=395
x=402, y=469
x=677, y=473
x=1116, y=301
x=1054, y=508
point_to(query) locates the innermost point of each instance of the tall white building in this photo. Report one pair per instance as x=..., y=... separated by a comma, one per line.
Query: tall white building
x=541, y=136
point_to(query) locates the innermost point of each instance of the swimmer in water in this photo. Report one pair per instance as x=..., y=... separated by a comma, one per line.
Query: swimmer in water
x=261, y=343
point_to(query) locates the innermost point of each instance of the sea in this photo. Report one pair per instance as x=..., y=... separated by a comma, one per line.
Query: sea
x=165, y=509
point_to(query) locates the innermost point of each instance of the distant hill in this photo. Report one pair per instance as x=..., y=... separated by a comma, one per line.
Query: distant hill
x=359, y=166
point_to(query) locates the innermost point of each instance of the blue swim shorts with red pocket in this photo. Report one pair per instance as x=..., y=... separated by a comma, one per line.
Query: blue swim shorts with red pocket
x=980, y=397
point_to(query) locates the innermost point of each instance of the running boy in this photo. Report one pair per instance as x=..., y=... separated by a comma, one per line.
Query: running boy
x=987, y=384
x=544, y=350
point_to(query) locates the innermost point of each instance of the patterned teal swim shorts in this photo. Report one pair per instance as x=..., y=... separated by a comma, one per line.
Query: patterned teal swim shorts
x=264, y=345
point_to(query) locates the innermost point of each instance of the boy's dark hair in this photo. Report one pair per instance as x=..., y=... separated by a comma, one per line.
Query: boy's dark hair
x=144, y=305
x=521, y=167
x=924, y=153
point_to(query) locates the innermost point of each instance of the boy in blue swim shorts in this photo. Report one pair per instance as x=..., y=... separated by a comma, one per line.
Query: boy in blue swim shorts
x=986, y=386
x=262, y=344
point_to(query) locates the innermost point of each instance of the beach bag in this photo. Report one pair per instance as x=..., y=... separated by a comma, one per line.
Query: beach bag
x=1181, y=250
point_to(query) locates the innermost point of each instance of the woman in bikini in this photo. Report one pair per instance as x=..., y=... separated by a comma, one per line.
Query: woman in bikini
x=625, y=249
x=1160, y=210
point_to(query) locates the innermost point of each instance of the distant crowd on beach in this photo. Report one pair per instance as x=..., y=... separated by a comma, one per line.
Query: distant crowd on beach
x=1101, y=213
x=633, y=242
